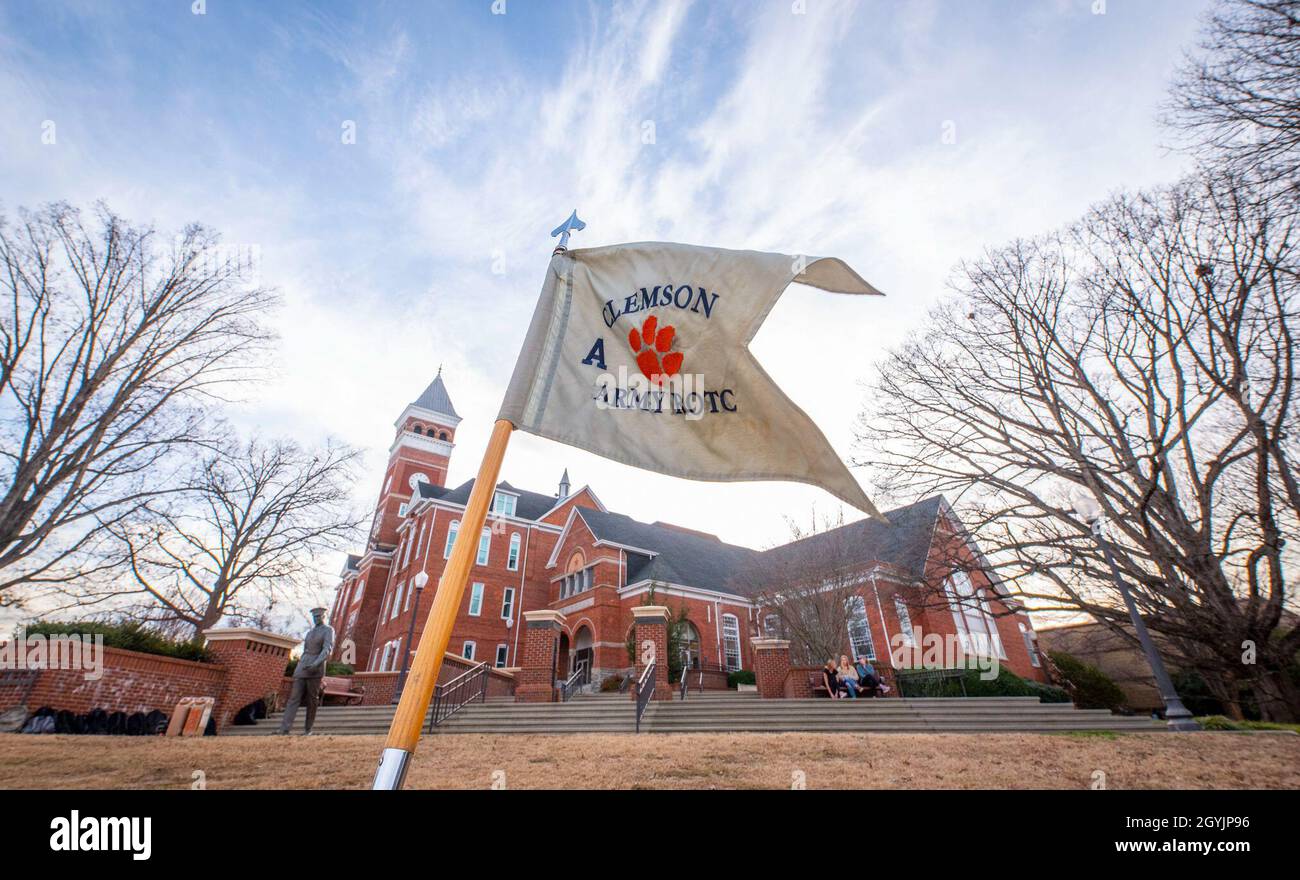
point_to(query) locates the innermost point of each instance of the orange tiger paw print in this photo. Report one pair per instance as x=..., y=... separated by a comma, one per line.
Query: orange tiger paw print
x=650, y=342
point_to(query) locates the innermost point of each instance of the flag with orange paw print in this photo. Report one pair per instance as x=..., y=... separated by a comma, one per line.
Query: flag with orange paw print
x=640, y=353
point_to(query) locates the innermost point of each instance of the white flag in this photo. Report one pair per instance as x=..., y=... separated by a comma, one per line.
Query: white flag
x=640, y=353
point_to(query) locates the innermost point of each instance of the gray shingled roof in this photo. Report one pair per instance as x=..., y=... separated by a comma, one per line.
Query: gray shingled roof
x=435, y=398
x=531, y=505
x=682, y=557
x=904, y=544
x=698, y=560
x=706, y=562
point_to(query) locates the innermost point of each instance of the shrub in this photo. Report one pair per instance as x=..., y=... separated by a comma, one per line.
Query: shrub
x=611, y=684
x=1093, y=689
x=128, y=636
x=1195, y=693
x=1220, y=722
x=1006, y=684
x=741, y=676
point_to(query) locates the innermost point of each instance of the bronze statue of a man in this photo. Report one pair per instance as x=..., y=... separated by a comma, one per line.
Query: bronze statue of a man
x=309, y=676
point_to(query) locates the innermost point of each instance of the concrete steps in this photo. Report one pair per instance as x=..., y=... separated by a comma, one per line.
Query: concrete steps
x=719, y=712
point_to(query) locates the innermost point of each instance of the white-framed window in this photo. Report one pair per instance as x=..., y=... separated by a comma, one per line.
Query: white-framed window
x=451, y=538
x=504, y=503
x=578, y=582
x=731, y=641
x=502, y=652
x=360, y=591
x=383, y=611
x=1028, y=635
x=475, y=600
x=406, y=551
x=409, y=593
x=904, y=621
x=383, y=659
x=977, y=631
x=512, y=560
x=397, y=600
x=508, y=603
x=484, y=547
x=860, y=629
x=419, y=545
x=468, y=650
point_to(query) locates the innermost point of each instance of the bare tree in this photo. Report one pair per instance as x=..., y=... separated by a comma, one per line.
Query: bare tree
x=1238, y=98
x=1145, y=356
x=809, y=585
x=108, y=341
x=248, y=531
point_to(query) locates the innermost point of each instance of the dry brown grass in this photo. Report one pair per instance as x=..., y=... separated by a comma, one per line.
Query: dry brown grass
x=1208, y=760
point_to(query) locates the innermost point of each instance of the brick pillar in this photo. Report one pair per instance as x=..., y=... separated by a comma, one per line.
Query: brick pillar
x=771, y=666
x=651, y=622
x=253, y=660
x=535, y=680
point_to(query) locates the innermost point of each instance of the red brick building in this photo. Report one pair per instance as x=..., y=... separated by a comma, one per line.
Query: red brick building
x=564, y=551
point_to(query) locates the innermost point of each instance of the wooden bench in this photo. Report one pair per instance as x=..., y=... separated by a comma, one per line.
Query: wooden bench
x=341, y=688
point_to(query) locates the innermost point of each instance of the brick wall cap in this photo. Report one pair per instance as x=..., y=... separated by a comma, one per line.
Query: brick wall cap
x=544, y=614
x=769, y=644
x=232, y=633
x=654, y=611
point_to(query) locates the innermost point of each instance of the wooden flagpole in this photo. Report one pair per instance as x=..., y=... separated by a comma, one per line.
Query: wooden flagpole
x=404, y=734
x=413, y=706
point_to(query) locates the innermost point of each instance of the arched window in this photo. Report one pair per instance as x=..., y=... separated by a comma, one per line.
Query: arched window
x=512, y=560
x=451, y=538
x=484, y=547
x=418, y=430
x=442, y=435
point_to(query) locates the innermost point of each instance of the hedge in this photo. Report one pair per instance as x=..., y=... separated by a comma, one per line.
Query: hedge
x=128, y=636
x=1093, y=689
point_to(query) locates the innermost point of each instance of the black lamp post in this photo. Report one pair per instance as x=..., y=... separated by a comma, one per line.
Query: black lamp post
x=418, y=582
x=1176, y=715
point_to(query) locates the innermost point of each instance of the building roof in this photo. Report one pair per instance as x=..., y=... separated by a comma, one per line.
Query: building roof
x=681, y=557
x=531, y=505
x=904, y=544
x=436, y=399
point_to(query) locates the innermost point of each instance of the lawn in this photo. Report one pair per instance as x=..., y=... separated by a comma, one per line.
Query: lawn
x=1146, y=760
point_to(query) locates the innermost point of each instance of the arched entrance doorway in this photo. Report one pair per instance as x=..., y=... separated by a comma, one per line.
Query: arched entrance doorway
x=690, y=644
x=583, y=653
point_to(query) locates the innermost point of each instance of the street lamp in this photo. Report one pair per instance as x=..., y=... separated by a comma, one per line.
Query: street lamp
x=1176, y=715
x=418, y=582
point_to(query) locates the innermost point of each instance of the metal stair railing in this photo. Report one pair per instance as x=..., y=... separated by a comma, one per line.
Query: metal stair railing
x=645, y=690
x=450, y=698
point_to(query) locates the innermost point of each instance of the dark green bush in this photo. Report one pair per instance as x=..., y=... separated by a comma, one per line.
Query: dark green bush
x=1195, y=693
x=1006, y=684
x=129, y=636
x=740, y=676
x=1093, y=689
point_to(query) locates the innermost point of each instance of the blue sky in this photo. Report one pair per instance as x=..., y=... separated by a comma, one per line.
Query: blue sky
x=424, y=242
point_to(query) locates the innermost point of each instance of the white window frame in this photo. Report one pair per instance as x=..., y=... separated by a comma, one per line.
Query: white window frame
x=452, y=529
x=904, y=621
x=728, y=638
x=508, y=603
x=397, y=601
x=977, y=630
x=503, y=503
x=503, y=655
x=476, y=591
x=512, y=558
x=1030, y=645
x=484, y=547
x=468, y=649
x=860, y=625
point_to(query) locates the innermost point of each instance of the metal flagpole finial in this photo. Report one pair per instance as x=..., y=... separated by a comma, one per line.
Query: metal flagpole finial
x=573, y=224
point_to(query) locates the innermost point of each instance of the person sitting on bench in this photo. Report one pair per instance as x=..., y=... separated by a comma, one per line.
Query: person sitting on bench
x=869, y=682
x=831, y=679
x=848, y=677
